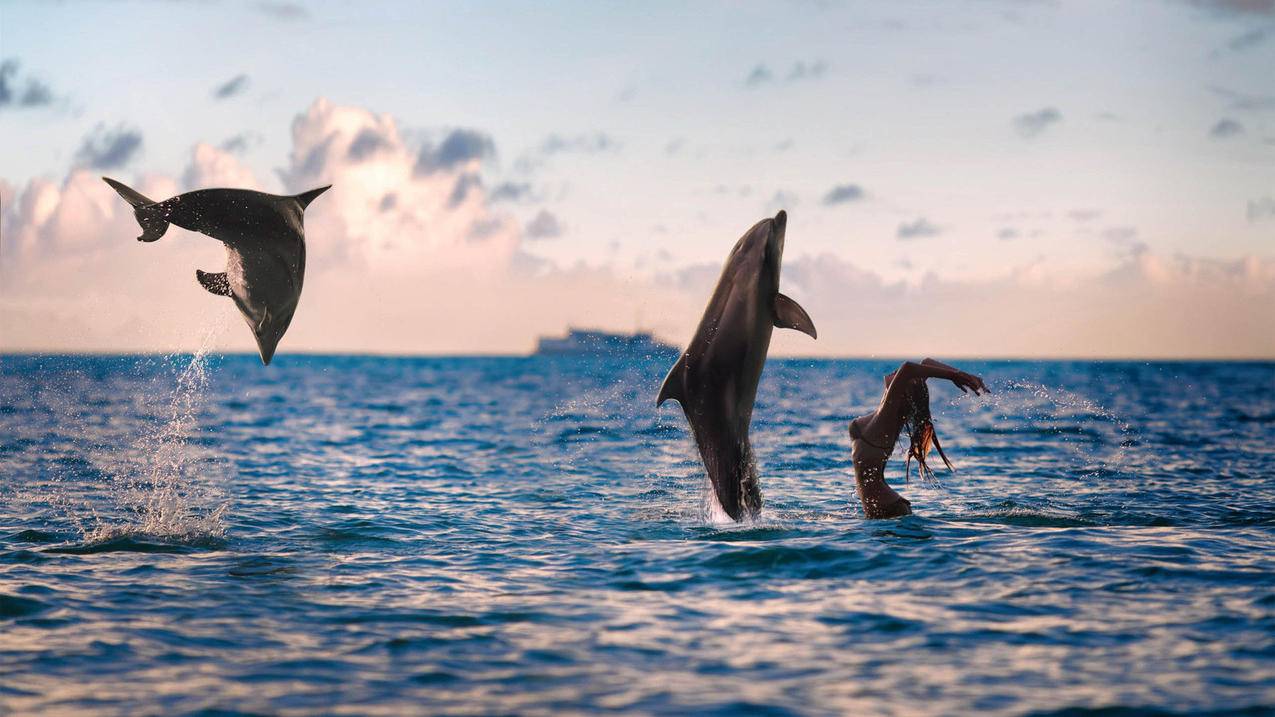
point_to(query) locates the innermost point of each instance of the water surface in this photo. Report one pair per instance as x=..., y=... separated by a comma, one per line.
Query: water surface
x=527, y=535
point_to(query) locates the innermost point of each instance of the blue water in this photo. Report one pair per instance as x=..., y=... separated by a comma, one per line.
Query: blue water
x=523, y=535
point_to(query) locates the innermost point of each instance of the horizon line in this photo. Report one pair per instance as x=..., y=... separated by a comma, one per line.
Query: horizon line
x=786, y=357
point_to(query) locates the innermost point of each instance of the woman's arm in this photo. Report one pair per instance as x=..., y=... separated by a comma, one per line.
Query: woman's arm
x=940, y=364
x=929, y=368
x=884, y=426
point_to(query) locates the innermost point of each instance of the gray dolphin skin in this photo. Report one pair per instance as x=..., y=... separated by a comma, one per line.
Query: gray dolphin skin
x=715, y=380
x=264, y=236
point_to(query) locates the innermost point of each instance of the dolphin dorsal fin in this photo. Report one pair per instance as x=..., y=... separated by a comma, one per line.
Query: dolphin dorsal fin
x=673, y=384
x=790, y=315
x=305, y=198
x=215, y=283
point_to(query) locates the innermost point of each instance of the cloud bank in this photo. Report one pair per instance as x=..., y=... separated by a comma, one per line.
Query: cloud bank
x=413, y=256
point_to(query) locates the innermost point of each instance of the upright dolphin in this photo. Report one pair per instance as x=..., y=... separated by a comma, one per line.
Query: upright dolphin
x=264, y=236
x=716, y=378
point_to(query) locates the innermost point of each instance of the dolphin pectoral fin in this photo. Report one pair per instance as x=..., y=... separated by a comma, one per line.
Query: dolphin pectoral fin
x=216, y=284
x=790, y=315
x=672, y=387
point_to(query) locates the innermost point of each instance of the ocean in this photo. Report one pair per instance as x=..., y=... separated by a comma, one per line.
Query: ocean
x=367, y=535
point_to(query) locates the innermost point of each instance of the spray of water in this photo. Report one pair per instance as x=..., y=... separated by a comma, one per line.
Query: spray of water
x=164, y=494
x=1098, y=439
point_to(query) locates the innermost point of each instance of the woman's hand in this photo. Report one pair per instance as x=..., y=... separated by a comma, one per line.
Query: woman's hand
x=969, y=382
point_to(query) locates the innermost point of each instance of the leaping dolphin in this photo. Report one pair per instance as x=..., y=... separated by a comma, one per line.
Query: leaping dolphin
x=715, y=380
x=264, y=236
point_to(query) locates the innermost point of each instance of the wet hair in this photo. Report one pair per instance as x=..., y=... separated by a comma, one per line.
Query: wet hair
x=920, y=430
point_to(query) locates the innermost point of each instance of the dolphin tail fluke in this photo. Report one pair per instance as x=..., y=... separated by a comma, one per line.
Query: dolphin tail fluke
x=132, y=196
x=790, y=315
x=673, y=384
x=305, y=198
x=149, y=214
x=216, y=284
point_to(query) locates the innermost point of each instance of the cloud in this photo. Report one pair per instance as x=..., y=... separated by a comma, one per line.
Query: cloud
x=1032, y=124
x=394, y=265
x=1119, y=234
x=544, y=226
x=214, y=167
x=1260, y=209
x=1250, y=39
x=759, y=76
x=803, y=71
x=558, y=144
x=32, y=93
x=800, y=70
x=1226, y=128
x=782, y=200
x=842, y=194
x=510, y=192
x=1147, y=304
x=1125, y=238
x=239, y=143
x=1007, y=233
x=460, y=146
x=108, y=148
x=461, y=189
x=1083, y=216
x=918, y=229
x=1256, y=8
x=230, y=88
x=582, y=143
x=367, y=143
x=281, y=10
x=1243, y=101
x=386, y=248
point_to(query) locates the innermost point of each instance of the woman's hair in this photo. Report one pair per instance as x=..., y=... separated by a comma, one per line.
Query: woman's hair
x=920, y=430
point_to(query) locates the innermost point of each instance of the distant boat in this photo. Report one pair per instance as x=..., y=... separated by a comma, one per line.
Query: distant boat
x=584, y=342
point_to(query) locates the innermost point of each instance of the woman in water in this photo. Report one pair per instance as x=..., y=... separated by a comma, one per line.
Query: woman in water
x=905, y=405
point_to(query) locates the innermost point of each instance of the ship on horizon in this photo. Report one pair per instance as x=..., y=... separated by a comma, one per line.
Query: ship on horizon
x=595, y=342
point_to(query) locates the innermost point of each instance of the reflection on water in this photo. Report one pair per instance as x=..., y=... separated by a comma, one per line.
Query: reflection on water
x=529, y=535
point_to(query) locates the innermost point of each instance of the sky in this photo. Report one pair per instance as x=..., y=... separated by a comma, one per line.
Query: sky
x=963, y=179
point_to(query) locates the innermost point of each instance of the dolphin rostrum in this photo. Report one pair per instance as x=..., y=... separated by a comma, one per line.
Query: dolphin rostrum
x=264, y=236
x=715, y=380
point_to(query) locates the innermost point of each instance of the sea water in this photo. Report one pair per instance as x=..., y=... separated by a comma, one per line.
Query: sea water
x=203, y=535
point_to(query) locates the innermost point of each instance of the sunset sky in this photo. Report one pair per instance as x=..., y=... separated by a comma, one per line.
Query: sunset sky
x=962, y=178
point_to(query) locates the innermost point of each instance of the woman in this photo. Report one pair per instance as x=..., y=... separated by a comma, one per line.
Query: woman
x=904, y=406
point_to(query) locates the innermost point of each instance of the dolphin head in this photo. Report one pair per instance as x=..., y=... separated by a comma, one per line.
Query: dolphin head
x=269, y=331
x=758, y=254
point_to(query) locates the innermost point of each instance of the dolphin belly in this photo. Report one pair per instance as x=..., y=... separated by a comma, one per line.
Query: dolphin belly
x=719, y=424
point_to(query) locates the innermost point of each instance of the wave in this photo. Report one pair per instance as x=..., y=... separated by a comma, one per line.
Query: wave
x=140, y=542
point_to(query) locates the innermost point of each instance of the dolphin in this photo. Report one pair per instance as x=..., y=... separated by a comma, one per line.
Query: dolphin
x=715, y=380
x=264, y=236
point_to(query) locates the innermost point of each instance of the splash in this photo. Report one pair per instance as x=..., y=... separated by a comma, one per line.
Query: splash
x=1098, y=439
x=163, y=494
